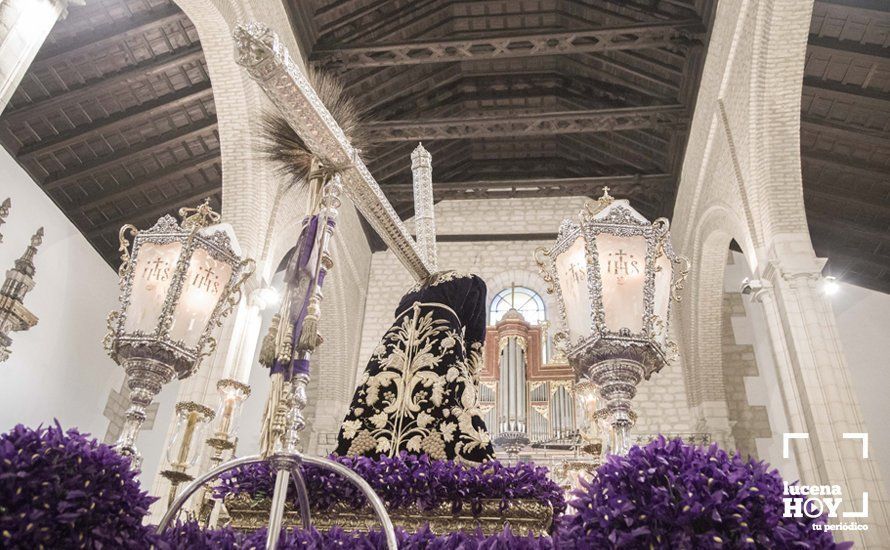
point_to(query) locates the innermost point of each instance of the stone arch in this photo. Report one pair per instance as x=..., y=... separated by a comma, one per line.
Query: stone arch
x=249, y=184
x=779, y=55
x=701, y=309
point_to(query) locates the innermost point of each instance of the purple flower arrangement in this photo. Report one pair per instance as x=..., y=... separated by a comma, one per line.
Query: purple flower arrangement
x=62, y=490
x=65, y=490
x=407, y=481
x=672, y=495
x=190, y=536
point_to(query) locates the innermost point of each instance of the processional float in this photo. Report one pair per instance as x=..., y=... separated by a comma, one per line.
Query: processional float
x=267, y=61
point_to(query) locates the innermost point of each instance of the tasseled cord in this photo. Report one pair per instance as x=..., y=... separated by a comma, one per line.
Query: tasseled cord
x=267, y=359
x=267, y=434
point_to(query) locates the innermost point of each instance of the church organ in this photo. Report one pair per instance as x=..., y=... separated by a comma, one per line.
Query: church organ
x=520, y=391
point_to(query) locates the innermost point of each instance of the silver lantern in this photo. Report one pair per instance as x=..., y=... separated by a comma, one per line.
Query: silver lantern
x=177, y=283
x=614, y=274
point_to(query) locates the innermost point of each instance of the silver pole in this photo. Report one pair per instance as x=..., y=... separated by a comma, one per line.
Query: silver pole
x=276, y=511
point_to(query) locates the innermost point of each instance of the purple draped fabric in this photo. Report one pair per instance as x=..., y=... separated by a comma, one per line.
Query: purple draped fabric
x=298, y=280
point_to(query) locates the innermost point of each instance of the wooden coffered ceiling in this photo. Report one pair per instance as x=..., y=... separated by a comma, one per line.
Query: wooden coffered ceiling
x=845, y=139
x=519, y=98
x=115, y=118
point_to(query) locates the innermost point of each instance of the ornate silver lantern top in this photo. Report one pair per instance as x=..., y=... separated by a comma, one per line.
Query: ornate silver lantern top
x=614, y=274
x=177, y=284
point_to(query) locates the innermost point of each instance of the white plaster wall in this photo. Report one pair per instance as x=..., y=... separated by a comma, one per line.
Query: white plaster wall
x=59, y=369
x=863, y=322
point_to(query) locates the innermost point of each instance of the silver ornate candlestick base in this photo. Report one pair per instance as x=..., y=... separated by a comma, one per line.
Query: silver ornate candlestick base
x=616, y=381
x=145, y=378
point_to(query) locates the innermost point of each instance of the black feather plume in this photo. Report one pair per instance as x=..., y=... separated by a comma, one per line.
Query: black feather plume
x=287, y=150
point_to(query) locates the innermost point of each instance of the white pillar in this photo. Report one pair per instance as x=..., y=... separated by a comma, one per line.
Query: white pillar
x=424, y=216
x=24, y=26
x=815, y=386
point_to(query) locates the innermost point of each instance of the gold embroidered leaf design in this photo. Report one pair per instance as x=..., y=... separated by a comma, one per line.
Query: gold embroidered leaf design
x=350, y=428
x=379, y=420
x=383, y=445
x=383, y=378
x=413, y=444
x=448, y=431
x=424, y=419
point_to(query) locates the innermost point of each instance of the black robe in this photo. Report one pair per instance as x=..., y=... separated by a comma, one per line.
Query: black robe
x=419, y=391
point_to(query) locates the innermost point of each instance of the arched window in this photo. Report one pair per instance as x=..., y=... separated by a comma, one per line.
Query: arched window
x=524, y=300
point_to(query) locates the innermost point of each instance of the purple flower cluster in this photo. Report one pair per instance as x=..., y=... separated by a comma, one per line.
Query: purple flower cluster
x=190, y=536
x=672, y=495
x=63, y=489
x=407, y=481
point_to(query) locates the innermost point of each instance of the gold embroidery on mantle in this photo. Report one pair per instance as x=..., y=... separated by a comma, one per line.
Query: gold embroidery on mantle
x=407, y=391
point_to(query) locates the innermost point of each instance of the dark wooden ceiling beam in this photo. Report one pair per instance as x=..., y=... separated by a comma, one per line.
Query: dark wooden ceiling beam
x=846, y=132
x=129, y=118
x=827, y=194
x=106, y=37
x=870, y=54
x=674, y=34
x=570, y=122
x=150, y=146
x=868, y=239
x=151, y=181
x=91, y=88
x=864, y=97
x=570, y=186
x=866, y=8
x=144, y=217
x=848, y=165
x=624, y=71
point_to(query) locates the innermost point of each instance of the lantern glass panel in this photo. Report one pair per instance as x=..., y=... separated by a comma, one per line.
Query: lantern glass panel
x=571, y=270
x=204, y=284
x=663, y=276
x=185, y=444
x=152, y=275
x=622, y=265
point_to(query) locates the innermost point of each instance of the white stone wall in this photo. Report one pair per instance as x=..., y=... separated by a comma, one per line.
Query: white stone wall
x=661, y=401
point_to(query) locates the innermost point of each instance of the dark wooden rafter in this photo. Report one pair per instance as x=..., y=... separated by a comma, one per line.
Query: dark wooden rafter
x=677, y=35
x=599, y=120
x=868, y=237
x=846, y=132
x=565, y=186
x=863, y=97
x=847, y=165
x=134, y=116
x=91, y=88
x=109, y=36
x=169, y=205
x=158, y=143
x=154, y=180
x=869, y=54
x=115, y=118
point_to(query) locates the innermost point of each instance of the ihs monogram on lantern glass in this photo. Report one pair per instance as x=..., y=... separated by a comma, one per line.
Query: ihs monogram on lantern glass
x=177, y=282
x=614, y=273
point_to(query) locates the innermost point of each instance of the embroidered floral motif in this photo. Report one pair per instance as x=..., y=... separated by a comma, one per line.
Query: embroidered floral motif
x=418, y=392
